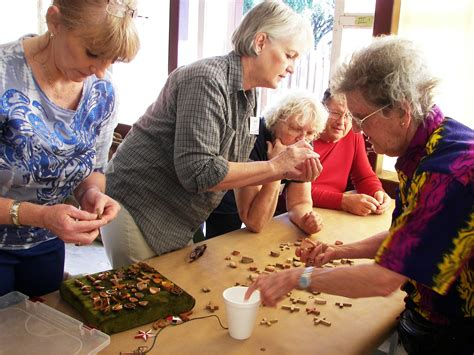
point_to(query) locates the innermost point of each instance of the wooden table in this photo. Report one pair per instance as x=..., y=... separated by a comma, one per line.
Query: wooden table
x=359, y=329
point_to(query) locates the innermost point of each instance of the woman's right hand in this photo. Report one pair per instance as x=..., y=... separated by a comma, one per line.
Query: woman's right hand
x=71, y=224
x=296, y=162
x=314, y=253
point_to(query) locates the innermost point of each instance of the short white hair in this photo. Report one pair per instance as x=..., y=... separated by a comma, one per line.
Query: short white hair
x=301, y=104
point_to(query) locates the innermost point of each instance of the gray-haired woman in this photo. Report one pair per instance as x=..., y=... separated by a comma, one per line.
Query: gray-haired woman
x=194, y=141
x=428, y=249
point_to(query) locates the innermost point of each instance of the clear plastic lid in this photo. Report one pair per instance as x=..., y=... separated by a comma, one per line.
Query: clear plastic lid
x=34, y=328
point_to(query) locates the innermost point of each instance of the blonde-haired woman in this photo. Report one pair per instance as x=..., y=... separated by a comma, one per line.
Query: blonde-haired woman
x=57, y=116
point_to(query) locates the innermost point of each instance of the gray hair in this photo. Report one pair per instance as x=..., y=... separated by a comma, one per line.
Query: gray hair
x=297, y=103
x=390, y=70
x=275, y=19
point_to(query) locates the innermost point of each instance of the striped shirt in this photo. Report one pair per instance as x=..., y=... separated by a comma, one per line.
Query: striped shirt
x=180, y=148
x=431, y=238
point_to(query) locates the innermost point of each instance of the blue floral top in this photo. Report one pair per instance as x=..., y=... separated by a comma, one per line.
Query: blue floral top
x=46, y=151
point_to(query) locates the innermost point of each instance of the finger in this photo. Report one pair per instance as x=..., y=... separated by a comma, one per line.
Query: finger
x=319, y=166
x=250, y=290
x=81, y=214
x=84, y=226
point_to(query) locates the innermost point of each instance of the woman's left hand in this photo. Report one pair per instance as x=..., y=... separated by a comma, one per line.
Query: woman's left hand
x=95, y=201
x=311, y=222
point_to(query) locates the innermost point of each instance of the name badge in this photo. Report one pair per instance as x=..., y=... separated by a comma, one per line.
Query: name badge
x=254, y=125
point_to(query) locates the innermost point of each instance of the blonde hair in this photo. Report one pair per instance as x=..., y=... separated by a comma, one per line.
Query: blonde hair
x=275, y=19
x=300, y=104
x=106, y=35
x=391, y=70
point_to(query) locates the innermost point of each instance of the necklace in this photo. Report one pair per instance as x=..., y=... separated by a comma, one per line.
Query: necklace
x=45, y=71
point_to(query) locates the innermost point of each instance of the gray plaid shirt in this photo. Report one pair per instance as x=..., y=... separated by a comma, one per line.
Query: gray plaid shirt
x=180, y=148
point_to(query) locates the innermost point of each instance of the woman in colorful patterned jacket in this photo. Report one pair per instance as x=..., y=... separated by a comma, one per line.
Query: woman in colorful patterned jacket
x=57, y=116
x=428, y=249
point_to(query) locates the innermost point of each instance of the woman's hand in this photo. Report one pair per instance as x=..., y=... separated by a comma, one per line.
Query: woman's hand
x=384, y=201
x=295, y=162
x=71, y=224
x=311, y=222
x=314, y=253
x=95, y=201
x=274, y=287
x=359, y=204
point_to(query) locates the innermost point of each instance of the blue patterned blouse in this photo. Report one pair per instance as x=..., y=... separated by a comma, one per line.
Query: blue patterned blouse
x=46, y=151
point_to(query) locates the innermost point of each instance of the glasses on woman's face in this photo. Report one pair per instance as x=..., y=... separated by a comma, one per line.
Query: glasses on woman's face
x=300, y=132
x=336, y=115
x=359, y=121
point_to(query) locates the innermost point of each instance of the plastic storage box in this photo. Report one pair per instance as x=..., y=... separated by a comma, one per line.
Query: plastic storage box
x=34, y=328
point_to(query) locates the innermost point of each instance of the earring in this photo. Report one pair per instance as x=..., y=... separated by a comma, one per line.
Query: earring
x=402, y=124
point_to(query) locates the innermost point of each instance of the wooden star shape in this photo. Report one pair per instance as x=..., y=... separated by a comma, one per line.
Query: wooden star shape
x=144, y=335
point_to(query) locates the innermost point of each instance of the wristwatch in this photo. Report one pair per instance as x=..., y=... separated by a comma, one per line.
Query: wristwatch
x=305, y=278
x=14, y=213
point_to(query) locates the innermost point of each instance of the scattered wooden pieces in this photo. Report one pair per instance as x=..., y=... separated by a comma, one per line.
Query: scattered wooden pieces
x=232, y=264
x=212, y=307
x=298, y=300
x=338, y=242
x=280, y=265
x=343, y=304
x=253, y=268
x=313, y=310
x=320, y=301
x=297, y=263
x=298, y=242
x=270, y=268
x=235, y=252
x=227, y=258
x=160, y=323
x=185, y=316
x=253, y=277
x=323, y=321
x=246, y=260
x=267, y=322
x=197, y=252
x=275, y=254
x=291, y=308
x=347, y=261
x=205, y=289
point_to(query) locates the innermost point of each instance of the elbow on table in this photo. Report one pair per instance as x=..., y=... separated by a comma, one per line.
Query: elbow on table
x=254, y=226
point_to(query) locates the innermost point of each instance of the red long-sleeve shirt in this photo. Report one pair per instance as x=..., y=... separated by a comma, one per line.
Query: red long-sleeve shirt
x=341, y=159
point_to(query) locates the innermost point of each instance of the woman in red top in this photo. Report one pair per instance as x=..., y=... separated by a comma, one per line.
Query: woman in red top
x=342, y=155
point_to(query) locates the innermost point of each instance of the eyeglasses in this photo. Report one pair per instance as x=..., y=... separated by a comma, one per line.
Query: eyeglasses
x=120, y=8
x=358, y=122
x=297, y=131
x=334, y=115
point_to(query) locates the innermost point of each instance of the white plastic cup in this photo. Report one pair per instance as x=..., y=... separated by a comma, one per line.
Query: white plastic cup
x=241, y=314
